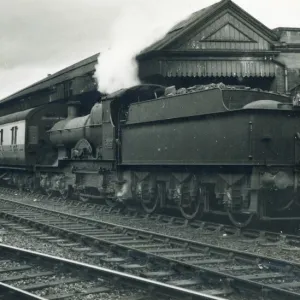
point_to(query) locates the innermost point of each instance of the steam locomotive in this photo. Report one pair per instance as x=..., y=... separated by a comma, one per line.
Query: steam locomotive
x=229, y=150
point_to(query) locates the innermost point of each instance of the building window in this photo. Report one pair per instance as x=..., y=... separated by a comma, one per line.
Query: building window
x=14, y=132
x=1, y=137
x=67, y=89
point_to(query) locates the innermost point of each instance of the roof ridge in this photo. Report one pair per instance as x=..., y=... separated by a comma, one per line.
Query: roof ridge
x=199, y=16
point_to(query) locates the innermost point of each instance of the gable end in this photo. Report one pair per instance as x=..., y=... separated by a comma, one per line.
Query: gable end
x=228, y=33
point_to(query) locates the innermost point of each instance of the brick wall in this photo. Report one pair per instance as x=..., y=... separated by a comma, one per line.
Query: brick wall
x=289, y=36
x=292, y=63
x=278, y=85
x=293, y=78
x=291, y=60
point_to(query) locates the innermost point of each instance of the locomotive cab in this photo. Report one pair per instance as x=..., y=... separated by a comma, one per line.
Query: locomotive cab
x=122, y=99
x=119, y=103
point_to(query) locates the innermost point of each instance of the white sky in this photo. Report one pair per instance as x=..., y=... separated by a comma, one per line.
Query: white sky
x=38, y=37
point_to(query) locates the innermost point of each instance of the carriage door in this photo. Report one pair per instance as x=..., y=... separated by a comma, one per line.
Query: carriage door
x=33, y=135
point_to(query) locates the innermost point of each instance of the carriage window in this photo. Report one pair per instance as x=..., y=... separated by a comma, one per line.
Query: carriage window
x=1, y=137
x=14, y=131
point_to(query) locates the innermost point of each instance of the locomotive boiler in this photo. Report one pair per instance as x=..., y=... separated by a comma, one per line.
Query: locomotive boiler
x=214, y=148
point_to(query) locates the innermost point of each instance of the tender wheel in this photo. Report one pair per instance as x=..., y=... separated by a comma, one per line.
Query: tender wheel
x=191, y=207
x=150, y=205
x=110, y=202
x=20, y=188
x=31, y=185
x=20, y=184
x=191, y=198
x=83, y=196
x=150, y=200
x=65, y=193
x=280, y=201
x=240, y=220
x=49, y=192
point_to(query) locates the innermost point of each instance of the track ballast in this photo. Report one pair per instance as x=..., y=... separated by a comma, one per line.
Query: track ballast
x=179, y=262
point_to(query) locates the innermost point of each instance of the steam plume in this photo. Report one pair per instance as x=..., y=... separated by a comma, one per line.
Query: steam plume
x=138, y=26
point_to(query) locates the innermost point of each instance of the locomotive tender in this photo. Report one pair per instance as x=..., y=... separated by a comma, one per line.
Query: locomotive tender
x=215, y=148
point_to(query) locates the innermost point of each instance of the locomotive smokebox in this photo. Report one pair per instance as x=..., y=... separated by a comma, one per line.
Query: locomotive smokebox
x=73, y=108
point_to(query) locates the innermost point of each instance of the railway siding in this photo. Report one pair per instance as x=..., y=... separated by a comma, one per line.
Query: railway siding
x=126, y=247
x=31, y=275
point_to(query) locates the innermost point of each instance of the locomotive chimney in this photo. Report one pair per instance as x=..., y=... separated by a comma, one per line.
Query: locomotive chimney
x=73, y=107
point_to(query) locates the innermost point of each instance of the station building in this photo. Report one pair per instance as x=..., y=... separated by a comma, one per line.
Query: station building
x=224, y=43
x=220, y=43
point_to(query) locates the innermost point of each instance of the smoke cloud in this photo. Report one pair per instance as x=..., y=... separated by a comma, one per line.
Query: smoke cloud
x=137, y=26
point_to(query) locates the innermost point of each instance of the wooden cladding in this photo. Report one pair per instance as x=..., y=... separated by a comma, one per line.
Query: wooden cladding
x=210, y=68
x=227, y=32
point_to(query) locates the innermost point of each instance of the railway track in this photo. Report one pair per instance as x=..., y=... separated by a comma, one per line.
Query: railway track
x=195, y=266
x=31, y=275
x=264, y=237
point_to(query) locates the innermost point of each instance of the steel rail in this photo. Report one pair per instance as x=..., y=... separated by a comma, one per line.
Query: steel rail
x=17, y=293
x=152, y=287
x=207, y=226
x=187, y=245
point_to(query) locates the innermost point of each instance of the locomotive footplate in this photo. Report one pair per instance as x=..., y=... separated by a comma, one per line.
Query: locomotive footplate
x=91, y=167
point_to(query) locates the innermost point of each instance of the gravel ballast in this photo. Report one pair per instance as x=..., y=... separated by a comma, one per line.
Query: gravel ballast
x=279, y=250
x=18, y=239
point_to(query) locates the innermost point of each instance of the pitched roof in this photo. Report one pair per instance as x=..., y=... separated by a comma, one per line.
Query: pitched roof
x=78, y=69
x=287, y=29
x=201, y=17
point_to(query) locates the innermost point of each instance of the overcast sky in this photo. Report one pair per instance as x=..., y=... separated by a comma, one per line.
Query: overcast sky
x=38, y=37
